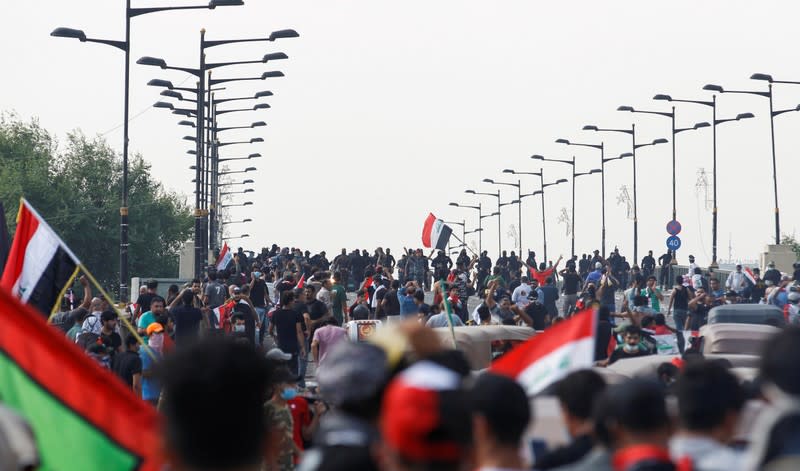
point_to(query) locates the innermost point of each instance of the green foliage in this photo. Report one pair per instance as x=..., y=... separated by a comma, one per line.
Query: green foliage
x=791, y=240
x=78, y=191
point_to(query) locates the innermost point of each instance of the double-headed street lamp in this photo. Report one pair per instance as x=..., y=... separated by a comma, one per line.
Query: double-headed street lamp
x=499, y=229
x=479, y=230
x=634, y=146
x=772, y=114
x=575, y=175
x=518, y=186
x=125, y=46
x=714, y=123
x=675, y=131
x=602, y=172
x=543, y=185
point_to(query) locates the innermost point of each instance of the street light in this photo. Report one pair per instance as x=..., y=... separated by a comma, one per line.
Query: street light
x=602, y=173
x=243, y=182
x=248, y=169
x=125, y=46
x=518, y=186
x=540, y=192
x=714, y=123
x=251, y=156
x=236, y=222
x=481, y=216
x=256, y=124
x=634, y=146
x=499, y=228
x=243, y=236
x=246, y=203
x=251, y=141
x=246, y=190
x=772, y=114
x=253, y=97
x=574, y=178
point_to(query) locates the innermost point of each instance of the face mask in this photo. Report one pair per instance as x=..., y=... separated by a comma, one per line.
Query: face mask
x=238, y=328
x=630, y=348
x=156, y=341
x=288, y=394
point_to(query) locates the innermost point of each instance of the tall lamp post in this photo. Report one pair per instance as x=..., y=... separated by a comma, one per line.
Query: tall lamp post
x=602, y=172
x=518, y=186
x=575, y=175
x=125, y=46
x=714, y=123
x=479, y=230
x=499, y=227
x=675, y=131
x=541, y=192
x=634, y=146
x=772, y=114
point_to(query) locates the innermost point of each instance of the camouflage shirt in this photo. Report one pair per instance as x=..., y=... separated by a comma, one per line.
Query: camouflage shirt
x=279, y=417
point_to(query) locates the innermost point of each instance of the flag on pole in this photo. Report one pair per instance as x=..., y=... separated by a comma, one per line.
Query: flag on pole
x=225, y=257
x=550, y=356
x=39, y=265
x=82, y=417
x=301, y=282
x=435, y=233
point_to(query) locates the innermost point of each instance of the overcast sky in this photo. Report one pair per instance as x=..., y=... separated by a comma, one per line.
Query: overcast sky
x=390, y=110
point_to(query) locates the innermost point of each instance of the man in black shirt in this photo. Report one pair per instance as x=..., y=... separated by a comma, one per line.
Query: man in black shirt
x=187, y=319
x=648, y=264
x=108, y=334
x=537, y=312
x=286, y=327
x=143, y=301
x=390, y=305
x=128, y=365
x=664, y=261
x=571, y=285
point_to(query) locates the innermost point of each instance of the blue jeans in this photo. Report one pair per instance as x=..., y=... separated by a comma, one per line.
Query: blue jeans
x=261, y=312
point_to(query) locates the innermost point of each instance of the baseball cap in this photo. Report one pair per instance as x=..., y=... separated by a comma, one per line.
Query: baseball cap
x=346, y=381
x=278, y=354
x=154, y=327
x=426, y=415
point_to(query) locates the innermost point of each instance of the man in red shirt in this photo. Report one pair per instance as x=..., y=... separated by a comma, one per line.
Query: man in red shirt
x=543, y=273
x=305, y=424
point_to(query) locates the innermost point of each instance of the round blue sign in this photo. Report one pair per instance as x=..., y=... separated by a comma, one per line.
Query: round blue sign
x=673, y=242
x=673, y=227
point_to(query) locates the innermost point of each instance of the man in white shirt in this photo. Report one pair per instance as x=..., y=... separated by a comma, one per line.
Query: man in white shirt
x=521, y=292
x=709, y=403
x=736, y=281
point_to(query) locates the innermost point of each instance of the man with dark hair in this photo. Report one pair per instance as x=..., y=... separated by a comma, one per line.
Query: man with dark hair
x=631, y=348
x=500, y=415
x=128, y=366
x=215, y=385
x=143, y=301
x=108, y=333
x=632, y=427
x=215, y=293
x=187, y=318
x=576, y=394
x=338, y=299
x=709, y=403
x=286, y=327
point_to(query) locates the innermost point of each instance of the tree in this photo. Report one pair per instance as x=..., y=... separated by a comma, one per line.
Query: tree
x=78, y=190
x=791, y=240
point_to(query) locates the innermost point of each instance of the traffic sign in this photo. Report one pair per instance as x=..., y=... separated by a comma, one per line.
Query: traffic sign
x=673, y=228
x=673, y=242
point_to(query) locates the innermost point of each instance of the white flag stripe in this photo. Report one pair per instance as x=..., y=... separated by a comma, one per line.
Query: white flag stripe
x=38, y=254
x=557, y=364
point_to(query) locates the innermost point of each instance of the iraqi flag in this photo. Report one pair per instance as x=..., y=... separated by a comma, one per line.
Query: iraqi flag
x=550, y=356
x=435, y=233
x=751, y=277
x=225, y=257
x=82, y=417
x=39, y=264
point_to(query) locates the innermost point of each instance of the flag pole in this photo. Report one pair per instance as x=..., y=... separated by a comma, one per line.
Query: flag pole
x=69, y=282
x=124, y=320
x=464, y=244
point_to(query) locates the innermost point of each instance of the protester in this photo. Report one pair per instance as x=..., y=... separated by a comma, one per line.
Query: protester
x=286, y=328
x=128, y=365
x=279, y=417
x=150, y=356
x=326, y=336
x=500, y=416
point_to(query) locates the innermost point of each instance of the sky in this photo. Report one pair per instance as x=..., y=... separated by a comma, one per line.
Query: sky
x=391, y=110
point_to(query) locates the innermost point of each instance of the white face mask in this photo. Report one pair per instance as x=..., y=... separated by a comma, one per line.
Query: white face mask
x=238, y=328
x=630, y=348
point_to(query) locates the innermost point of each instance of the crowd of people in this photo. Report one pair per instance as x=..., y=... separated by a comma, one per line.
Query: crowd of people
x=290, y=306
